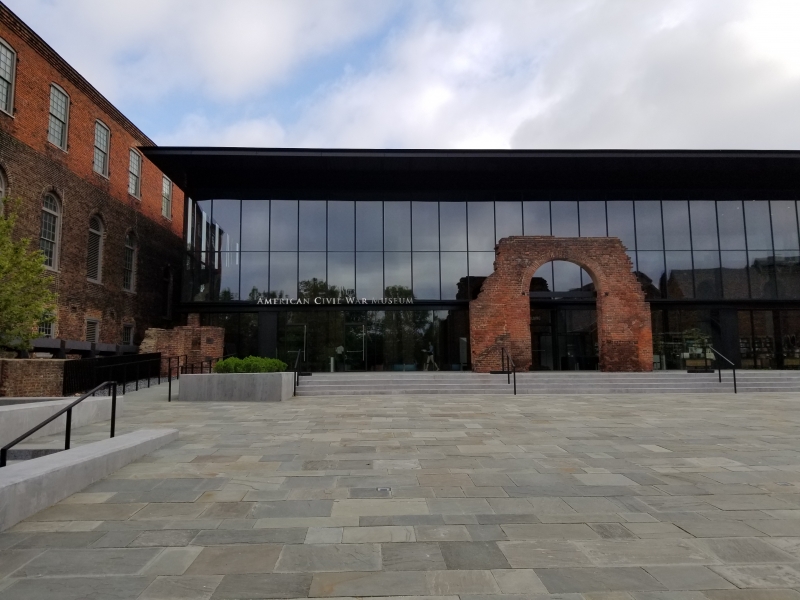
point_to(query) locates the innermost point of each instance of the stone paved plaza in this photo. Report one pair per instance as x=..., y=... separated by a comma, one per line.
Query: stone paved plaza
x=577, y=497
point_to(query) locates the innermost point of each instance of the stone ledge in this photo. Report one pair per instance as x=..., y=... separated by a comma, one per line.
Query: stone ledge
x=33, y=485
x=236, y=387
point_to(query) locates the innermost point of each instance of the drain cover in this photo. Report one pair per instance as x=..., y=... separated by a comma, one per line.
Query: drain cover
x=384, y=489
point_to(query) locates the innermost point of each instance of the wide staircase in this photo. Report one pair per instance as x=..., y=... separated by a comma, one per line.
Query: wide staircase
x=572, y=382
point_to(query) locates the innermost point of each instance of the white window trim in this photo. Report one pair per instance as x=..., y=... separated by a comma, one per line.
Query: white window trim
x=138, y=194
x=108, y=149
x=171, y=194
x=102, y=231
x=10, y=110
x=66, y=122
x=57, y=243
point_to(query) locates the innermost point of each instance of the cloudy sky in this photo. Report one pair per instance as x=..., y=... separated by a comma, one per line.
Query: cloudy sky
x=440, y=73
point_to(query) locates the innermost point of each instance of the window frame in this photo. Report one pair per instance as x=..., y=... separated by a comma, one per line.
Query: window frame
x=9, y=108
x=105, y=172
x=65, y=141
x=166, y=200
x=56, y=230
x=137, y=192
x=132, y=328
x=101, y=234
x=134, y=247
x=96, y=331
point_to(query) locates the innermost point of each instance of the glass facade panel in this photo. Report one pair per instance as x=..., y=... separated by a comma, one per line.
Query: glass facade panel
x=369, y=274
x=508, y=216
x=703, y=216
x=566, y=276
x=784, y=224
x=283, y=274
x=397, y=225
x=564, y=218
x=342, y=272
x=762, y=275
x=593, y=219
x=650, y=272
x=677, y=234
x=227, y=214
x=536, y=217
x=255, y=225
x=734, y=274
x=787, y=274
x=649, y=235
x=369, y=226
x=707, y=277
x=341, y=225
x=680, y=281
x=312, y=266
x=425, y=225
x=426, y=275
x=313, y=225
x=397, y=273
x=731, y=225
x=480, y=223
x=759, y=233
x=454, y=271
x=283, y=233
x=620, y=222
x=453, y=225
x=254, y=274
x=227, y=278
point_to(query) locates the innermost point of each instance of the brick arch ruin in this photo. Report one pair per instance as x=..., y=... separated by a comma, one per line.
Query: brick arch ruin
x=500, y=315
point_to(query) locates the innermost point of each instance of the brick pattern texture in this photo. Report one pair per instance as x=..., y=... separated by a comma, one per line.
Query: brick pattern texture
x=194, y=343
x=500, y=316
x=31, y=378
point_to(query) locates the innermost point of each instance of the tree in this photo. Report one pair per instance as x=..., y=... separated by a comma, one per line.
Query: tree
x=25, y=296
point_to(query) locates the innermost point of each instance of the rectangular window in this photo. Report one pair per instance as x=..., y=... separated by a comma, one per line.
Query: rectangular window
x=46, y=330
x=92, y=331
x=128, y=268
x=59, y=117
x=8, y=63
x=166, y=197
x=102, y=139
x=127, y=335
x=47, y=239
x=135, y=174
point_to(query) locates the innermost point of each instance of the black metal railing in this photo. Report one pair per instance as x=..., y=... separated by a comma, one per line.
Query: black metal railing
x=81, y=375
x=296, y=377
x=719, y=371
x=68, y=430
x=509, y=367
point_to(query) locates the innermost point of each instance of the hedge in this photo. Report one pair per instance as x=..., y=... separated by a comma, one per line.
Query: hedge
x=251, y=364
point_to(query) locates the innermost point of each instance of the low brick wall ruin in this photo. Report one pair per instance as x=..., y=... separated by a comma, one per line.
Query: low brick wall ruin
x=31, y=378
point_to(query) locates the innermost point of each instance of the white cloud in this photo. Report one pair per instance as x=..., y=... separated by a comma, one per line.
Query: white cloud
x=198, y=130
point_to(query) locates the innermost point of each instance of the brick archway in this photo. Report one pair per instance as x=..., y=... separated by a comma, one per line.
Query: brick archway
x=500, y=315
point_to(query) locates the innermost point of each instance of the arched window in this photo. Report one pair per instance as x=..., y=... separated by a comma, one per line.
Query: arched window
x=48, y=235
x=129, y=265
x=8, y=67
x=94, y=260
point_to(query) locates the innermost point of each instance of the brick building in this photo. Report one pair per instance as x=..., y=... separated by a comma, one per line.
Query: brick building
x=108, y=220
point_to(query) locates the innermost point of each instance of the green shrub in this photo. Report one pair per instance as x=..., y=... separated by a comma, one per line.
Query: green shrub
x=251, y=364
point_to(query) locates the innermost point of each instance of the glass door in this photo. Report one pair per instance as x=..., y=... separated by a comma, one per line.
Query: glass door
x=354, y=355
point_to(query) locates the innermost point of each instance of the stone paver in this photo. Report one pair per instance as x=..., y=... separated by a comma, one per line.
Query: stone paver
x=447, y=498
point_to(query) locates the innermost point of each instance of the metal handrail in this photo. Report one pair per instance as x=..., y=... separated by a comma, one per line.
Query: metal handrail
x=727, y=360
x=512, y=367
x=296, y=373
x=67, y=409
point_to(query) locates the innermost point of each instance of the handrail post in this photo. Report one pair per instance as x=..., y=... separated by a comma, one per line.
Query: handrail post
x=515, y=380
x=68, y=429
x=113, y=408
x=3, y=454
x=159, y=370
x=734, y=381
x=169, y=381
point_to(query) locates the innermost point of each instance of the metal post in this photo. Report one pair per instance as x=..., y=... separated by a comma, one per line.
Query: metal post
x=159, y=370
x=169, y=381
x=3, y=455
x=124, y=377
x=515, y=381
x=68, y=429
x=734, y=381
x=113, y=408
x=148, y=375
x=137, y=377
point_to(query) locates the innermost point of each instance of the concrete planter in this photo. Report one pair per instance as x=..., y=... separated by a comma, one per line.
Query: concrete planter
x=236, y=387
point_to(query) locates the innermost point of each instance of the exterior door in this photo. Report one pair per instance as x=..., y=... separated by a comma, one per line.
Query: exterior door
x=354, y=356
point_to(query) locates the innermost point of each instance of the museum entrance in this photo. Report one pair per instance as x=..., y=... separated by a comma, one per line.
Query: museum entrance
x=564, y=338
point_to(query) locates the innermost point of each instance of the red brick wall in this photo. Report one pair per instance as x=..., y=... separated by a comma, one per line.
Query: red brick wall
x=500, y=316
x=28, y=378
x=193, y=343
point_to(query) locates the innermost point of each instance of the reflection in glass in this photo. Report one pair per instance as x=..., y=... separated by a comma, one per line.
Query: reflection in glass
x=312, y=266
x=762, y=275
x=703, y=215
x=620, y=222
x=679, y=282
x=677, y=234
x=784, y=224
x=425, y=225
x=397, y=225
x=480, y=220
x=566, y=276
x=283, y=233
x=648, y=225
x=650, y=271
x=342, y=271
x=255, y=225
x=509, y=218
x=787, y=274
x=759, y=233
x=397, y=271
x=592, y=219
x=369, y=274
x=536, y=217
x=453, y=225
x=731, y=225
x=454, y=269
x=227, y=278
x=341, y=225
x=254, y=274
x=426, y=275
x=227, y=214
x=564, y=218
x=313, y=227
x=734, y=274
x=542, y=280
x=369, y=225
x=481, y=264
x=707, y=280
x=283, y=274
